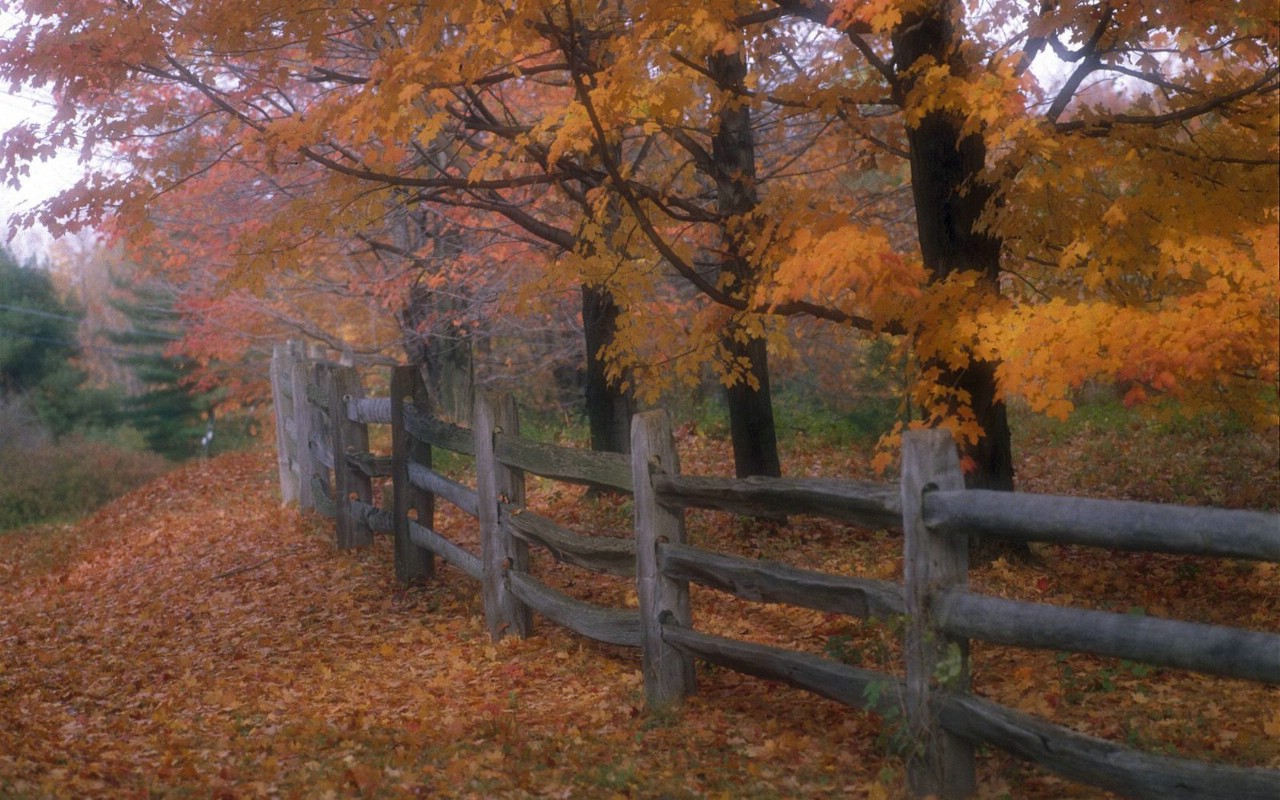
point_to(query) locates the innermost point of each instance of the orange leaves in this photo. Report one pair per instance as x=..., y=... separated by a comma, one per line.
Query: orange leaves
x=853, y=268
x=142, y=672
x=879, y=15
x=1201, y=348
x=466, y=129
x=989, y=100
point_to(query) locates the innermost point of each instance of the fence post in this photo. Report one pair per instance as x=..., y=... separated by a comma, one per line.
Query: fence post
x=941, y=763
x=499, y=550
x=668, y=673
x=282, y=402
x=413, y=562
x=349, y=436
x=302, y=425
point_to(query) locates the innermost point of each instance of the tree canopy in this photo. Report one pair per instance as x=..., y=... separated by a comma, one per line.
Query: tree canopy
x=1025, y=196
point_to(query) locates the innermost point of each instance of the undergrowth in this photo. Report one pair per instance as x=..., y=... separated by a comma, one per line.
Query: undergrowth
x=50, y=482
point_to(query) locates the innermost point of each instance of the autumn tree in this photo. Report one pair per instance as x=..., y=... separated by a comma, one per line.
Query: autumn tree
x=1008, y=169
x=1093, y=185
x=733, y=165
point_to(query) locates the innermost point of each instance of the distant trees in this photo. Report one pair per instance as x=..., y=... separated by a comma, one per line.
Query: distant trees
x=38, y=351
x=37, y=330
x=172, y=415
x=43, y=369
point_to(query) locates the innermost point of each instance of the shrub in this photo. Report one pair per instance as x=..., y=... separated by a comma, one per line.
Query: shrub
x=69, y=479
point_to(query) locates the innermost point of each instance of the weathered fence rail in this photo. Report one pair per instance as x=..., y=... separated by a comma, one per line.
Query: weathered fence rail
x=324, y=464
x=1115, y=524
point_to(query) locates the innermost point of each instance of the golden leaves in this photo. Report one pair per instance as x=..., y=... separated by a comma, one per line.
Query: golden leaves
x=880, y=15
x=1198, y=349
x=1128, y=237
x=854, y=268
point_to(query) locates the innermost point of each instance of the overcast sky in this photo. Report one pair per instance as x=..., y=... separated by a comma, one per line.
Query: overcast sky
x=46, y=179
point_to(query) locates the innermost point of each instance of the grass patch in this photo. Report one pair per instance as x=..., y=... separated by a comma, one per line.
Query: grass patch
x=1107, y=450
x=58, y=482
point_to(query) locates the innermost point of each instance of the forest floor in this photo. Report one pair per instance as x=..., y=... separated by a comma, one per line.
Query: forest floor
x=195, y=639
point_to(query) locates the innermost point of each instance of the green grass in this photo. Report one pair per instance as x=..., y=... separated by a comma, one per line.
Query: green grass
x=59, y=482
x=800, y=414
x=1107, y=450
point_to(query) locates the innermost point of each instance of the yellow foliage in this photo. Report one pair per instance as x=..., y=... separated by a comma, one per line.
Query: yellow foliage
x=851, y=267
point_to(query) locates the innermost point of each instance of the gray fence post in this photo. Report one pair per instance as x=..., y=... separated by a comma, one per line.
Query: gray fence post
x=941, y=763
x=499, y=550
x=302, y=424
x=413, y=563
x=286, y=428
x=348, y=437
x=668, y=673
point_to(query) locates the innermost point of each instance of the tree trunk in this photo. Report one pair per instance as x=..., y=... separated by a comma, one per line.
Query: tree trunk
x=441, y=350
x=755, y=440
x=609, y=407
x=751, y=427
x=446, y=360
x=950, y=196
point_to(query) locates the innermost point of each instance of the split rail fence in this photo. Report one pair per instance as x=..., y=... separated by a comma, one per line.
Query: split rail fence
x=325, y=464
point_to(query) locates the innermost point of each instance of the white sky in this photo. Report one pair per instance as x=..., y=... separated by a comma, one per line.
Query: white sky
x=46, y=179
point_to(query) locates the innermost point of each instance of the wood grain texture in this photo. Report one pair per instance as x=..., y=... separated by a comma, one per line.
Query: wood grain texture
x=874, y=505
x=1098, y=762
x=567, y=464
x=609, y=625
x=771, y=582
x=1210, y=649
x=1116, y=524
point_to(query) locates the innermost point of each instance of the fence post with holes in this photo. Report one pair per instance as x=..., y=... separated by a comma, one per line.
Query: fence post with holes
x=941, y=764
x=499, y=550
x=349, y=437
x=413, y=562
x=668, y=673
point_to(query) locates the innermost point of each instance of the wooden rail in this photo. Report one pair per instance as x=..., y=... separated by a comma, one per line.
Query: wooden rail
x=323, y=465
x=1115, y=524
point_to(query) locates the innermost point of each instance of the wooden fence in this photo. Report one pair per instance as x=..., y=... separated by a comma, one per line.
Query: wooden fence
x=324, y=464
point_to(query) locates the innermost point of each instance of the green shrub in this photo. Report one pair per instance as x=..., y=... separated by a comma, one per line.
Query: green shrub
x=69, y=479
x=862, y=422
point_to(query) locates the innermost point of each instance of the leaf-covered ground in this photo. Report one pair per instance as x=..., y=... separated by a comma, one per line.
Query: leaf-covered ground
x=193, y=639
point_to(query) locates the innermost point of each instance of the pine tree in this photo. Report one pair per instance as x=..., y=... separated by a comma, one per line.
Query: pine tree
x=37, y=330
x=171, y=418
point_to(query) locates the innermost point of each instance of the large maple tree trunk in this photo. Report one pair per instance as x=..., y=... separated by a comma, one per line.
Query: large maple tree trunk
x=751, y=425
x=608, y=406
x=949, y=196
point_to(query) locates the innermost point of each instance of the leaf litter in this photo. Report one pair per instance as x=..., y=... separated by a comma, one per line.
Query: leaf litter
x=196, y=639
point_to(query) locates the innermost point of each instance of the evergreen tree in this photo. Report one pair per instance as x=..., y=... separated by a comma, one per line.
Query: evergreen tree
x=172, y=419
x=37, y=330
x=38, y=349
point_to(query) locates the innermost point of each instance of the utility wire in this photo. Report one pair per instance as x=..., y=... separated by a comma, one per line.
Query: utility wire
x=38, y=313
x=114, y=352
x=35, y=312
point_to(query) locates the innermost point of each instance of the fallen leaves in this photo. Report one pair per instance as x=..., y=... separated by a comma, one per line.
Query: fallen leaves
x=153, y=663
